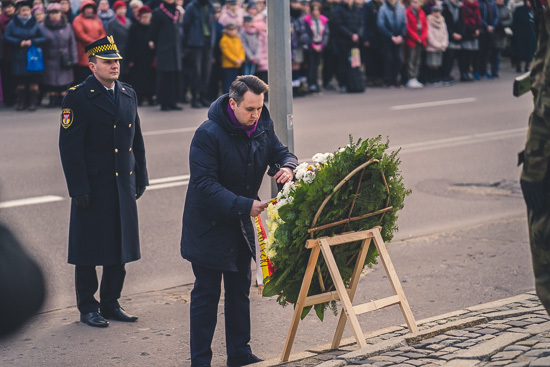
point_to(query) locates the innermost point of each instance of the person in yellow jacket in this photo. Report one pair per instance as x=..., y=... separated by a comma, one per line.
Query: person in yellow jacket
x=232, y=54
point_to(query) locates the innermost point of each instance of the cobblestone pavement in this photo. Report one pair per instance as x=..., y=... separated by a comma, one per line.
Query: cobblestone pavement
x=511, y=332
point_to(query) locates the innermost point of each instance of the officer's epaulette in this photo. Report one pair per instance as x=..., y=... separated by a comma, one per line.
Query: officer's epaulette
x=76, y=87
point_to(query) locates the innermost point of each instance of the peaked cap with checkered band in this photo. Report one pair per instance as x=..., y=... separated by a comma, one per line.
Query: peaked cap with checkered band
x=104, y=48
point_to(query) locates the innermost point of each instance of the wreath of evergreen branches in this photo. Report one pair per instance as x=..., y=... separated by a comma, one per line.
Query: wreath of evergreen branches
x=291, y=257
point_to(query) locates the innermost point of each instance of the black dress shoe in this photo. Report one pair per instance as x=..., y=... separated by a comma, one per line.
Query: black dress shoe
x=176, y=107
x=242, y=361
x=93, y=319
x=118, y=314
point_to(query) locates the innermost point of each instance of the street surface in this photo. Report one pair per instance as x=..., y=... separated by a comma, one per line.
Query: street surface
x=459, y=156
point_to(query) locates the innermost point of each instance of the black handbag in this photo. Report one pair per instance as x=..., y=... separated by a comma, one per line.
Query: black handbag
x=66, y=61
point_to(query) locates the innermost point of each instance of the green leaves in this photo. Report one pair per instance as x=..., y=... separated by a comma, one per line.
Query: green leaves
x=291, y=259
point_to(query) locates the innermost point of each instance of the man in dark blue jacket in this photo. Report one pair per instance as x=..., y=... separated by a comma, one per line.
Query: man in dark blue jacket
x=103, y=158
x=489, y=21
x=229, y=155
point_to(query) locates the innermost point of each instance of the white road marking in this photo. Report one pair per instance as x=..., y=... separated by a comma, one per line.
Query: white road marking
x=170, y=131
x=433, y=104
x=168, y=179
x=30, y=201
x=167, y=185
x=462, y=140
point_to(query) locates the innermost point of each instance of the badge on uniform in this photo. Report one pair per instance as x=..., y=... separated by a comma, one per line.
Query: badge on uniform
x=66, y=117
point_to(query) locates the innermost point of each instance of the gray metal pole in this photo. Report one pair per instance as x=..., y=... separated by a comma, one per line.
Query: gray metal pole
x=280, y=72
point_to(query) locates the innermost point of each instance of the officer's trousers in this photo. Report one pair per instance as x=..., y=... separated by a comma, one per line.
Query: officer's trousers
x=112, y=281
x=204, y=309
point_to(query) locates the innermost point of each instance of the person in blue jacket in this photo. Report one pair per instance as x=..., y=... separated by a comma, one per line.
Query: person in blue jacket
x=103, y=157
x=487, y=50
x=22, y=33
x=229, y=155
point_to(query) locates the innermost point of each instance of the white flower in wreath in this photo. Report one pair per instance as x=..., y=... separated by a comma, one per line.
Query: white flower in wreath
x=309, y=176
x=321, y=158
x=281, y=203
x=301, y=170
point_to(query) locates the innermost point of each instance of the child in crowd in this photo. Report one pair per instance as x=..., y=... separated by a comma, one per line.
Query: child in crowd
x=318, y=37
x=438, y=40
x=233, y=55
x=231, y=13
x=249, y=38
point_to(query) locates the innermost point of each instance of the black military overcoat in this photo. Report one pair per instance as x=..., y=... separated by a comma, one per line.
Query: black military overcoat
x=103, y=155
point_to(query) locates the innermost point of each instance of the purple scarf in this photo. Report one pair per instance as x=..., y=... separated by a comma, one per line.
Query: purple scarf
x=249, y=130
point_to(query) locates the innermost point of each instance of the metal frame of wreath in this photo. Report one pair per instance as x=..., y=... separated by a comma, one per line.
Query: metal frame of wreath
x=343, y=293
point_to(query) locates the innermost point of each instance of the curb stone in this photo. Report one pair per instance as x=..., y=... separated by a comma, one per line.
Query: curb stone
x=374, y=350
x=414, y=338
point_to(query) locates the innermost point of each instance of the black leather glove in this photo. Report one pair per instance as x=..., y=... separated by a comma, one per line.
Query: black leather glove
x=139, y=191
x=534, y=195
x=82, y=201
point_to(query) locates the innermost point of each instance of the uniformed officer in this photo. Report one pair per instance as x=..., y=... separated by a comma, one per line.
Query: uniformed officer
x=103, y=158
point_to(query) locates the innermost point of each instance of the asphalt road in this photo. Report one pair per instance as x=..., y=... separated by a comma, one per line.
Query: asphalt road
x=459, y=152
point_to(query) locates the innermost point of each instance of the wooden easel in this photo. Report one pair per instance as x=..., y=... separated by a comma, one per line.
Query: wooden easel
x=346, y=295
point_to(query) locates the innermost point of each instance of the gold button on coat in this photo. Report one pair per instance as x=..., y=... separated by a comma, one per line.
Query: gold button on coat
x=130, y=125
x=114, y=126
x=130, y=149
x=116, y=174
x=131, y=172
x=116, y=150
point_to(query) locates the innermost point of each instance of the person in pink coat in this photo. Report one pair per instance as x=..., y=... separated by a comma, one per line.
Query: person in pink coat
x=415, y=41
x=232, y=13
x=438, y=40
x=87, y=28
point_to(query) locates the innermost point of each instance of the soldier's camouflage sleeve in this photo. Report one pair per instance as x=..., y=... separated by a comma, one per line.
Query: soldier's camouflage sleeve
x=537, y=147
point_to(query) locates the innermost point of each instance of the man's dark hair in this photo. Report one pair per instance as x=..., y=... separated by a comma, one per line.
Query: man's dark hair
x=245, y=83
x=92, y=59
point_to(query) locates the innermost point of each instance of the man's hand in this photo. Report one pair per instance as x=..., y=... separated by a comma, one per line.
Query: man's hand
x=82, y=201
x=257, y=208
x=284, y=175
x=534, y=195
x=354, y=37
x=139, y=191
x=397, y=39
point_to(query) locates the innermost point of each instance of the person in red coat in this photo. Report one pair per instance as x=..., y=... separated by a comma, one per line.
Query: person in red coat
x=87, y=28
x=415, y=41
x=470, y=38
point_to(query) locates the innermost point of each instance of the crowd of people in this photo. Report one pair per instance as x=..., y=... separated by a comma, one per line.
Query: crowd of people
x=181, y=51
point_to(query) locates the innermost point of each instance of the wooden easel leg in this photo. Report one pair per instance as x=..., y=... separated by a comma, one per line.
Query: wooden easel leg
x=394, y=280
x=342, y=292
x=353, y=287
x=313, y=257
